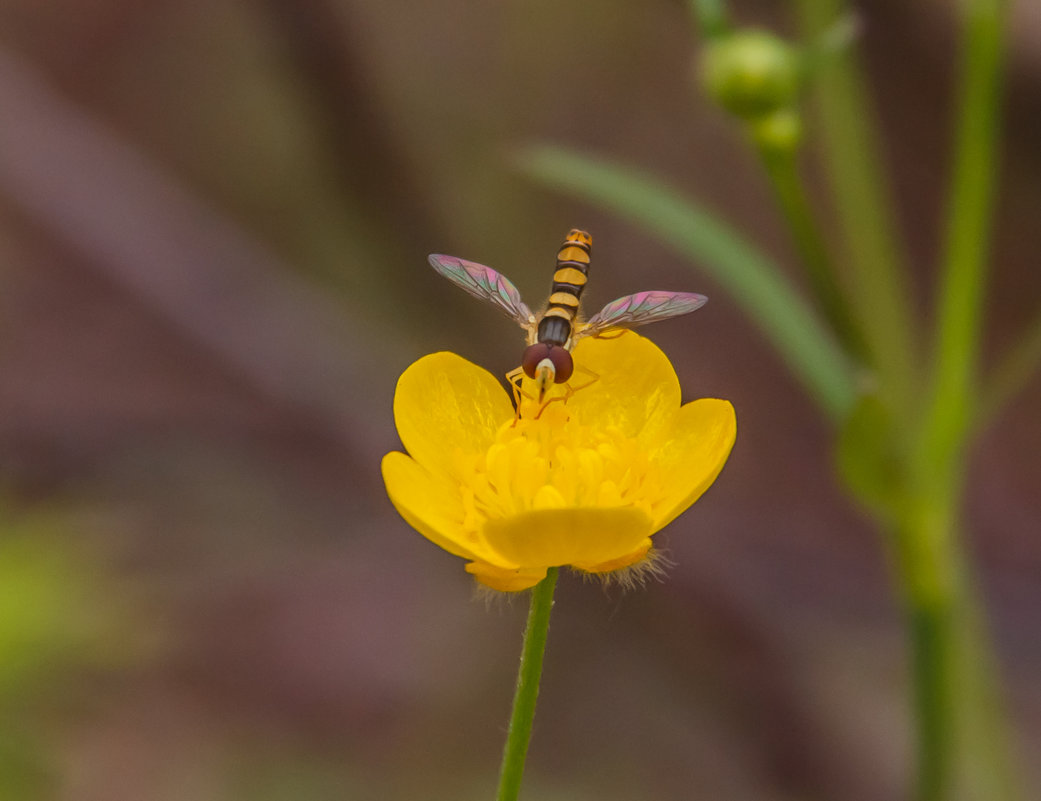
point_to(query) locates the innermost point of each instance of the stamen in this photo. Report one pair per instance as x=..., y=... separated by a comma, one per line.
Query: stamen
x=553, y=461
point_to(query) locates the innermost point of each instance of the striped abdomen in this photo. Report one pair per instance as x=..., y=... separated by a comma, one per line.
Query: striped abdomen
x=569, y=279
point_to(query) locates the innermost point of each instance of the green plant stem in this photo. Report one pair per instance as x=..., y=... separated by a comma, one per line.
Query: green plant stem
x=930, y=629
x=957, y=335
x=872, y=252
x=783, y=173
x=963, y=745
x=527, y=692
x=972, y=748
x=931, y=586
x=831, y=42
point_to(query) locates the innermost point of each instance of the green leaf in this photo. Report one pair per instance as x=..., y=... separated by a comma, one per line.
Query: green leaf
x=750, y=276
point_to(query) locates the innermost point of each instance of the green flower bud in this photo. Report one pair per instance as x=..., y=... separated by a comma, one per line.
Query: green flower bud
x=750, y=73
x=778, y=133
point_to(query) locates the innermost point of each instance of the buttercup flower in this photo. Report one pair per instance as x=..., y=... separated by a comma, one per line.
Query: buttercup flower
x=584, y=481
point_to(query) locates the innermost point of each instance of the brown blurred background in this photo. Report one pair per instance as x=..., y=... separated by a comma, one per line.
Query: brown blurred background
x=214, y=219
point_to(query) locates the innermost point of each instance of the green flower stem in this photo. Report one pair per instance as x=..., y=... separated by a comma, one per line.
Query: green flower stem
x=783, y=173
x=831, y=42
x=930, y=629
x=957, y=334
x=970, y=750
x=527, y=692
x=963, y=743
x=872, y=251
x=930, y=586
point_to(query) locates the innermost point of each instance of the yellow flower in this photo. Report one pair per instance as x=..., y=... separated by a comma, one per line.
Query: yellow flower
x=585, y=483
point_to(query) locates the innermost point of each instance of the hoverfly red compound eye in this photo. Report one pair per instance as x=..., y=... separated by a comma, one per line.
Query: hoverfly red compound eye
x=559, y=357
x=562, y=363
x=533, y=354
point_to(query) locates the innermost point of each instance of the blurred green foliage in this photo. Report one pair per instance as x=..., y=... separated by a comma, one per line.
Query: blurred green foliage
x=62, y=617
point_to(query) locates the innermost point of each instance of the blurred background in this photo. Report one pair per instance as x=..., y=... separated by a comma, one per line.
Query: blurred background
x=214, y=221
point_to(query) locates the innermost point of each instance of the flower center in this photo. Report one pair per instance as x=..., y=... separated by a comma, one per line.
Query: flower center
x=555, y=462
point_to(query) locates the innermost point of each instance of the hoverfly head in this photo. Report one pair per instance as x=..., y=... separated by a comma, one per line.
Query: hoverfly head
x=548, y=365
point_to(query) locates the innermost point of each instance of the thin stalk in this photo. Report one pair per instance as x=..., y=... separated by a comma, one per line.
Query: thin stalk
x=957, y=335
x=527, y=692
x=976, y=748
x=930, y=630
x=963, y=743
x=833, y=41
x=931, y=586
x=872, y=251
x=783, y=172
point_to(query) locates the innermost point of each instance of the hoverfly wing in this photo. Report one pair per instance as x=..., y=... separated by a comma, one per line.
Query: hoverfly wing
x=484, y=283
x=640, y=309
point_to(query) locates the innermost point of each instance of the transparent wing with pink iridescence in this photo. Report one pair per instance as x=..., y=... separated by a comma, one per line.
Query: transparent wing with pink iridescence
x=485, y=283
x=640, y=309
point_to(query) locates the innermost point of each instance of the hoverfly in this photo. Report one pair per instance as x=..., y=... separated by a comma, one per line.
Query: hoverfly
x=553, y=332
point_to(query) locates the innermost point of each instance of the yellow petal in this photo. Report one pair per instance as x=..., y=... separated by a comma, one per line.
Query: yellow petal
x=445, y=405
x=622, y=561
x=504, y=580
x=552, y=537
x=636, y=388
x=694, y=453
x=432, y=507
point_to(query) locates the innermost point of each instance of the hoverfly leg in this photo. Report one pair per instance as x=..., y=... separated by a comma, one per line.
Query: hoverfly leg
x=593, y=378
x=570, y=389
x=542, y=408
x=516, y=377
x=612, y=334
